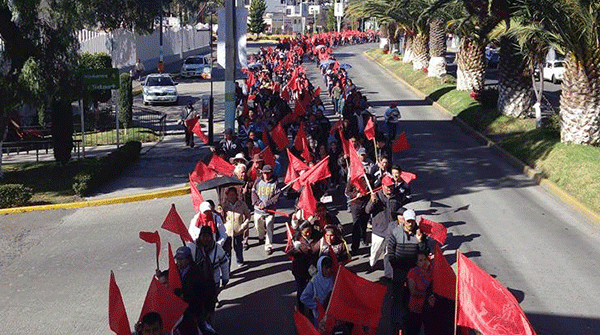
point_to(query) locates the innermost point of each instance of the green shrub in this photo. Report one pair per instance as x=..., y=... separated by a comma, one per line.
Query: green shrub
x=106, y=168
x=125, y=100
x=14, y=195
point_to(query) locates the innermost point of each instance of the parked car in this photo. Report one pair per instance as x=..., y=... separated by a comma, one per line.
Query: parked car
x=196, y=66
x=554, y=70
x=159, y=88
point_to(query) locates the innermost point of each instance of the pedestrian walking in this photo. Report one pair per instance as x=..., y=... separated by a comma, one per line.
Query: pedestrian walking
x=265, y=195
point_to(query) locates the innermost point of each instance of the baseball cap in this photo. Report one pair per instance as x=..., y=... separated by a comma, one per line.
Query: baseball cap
x=183, y=252
x=409, y=214
x=267, y=168
x=362, y=151
x=387, y=181
x=205, y=206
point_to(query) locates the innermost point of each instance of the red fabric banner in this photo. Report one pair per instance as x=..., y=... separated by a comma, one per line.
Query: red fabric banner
x=317, y=92
x=174, y=278
x=357, y=170
x=221, y=166
x=370, y=129
x=407, y=176
x=162, y=300
x=280, y=137
x=117, y=315
x=299, y=139
x=174, y=224
x=307, y=201
x=356, y=300
x=193, y=125
x=345, y=143
x=290, y=238
x=201, y=173
x=400, y=143
x=444, y=278
x=486, y=305
x=303, y=325
x=433, y=229
x=317, y=172
x=293, y=170
x=197, y=197
x=152, y=237
x=267, y=155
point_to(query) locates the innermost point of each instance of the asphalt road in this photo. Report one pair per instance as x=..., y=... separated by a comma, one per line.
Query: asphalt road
x=55, y=265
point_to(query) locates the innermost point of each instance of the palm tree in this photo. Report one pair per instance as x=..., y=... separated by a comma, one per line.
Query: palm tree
x=572, y=27
x=438, y=18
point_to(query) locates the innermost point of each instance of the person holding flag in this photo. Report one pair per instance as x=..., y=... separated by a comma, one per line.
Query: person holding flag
x=318, y=290
x=188, y=113
x=304, y=255
x=401, y=187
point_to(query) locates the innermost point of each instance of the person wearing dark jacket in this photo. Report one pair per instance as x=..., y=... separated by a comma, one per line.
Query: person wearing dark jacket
x=304, y=253
x=357, y=202
x=265, y=195
x=404, y=244
x=382, y=206
x=192, y=291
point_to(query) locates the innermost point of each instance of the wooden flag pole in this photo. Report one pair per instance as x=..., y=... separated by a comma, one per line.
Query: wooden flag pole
x=456, y=296
x=368, y=183
x=157, y=266
x=182, y=241
x=375, y=149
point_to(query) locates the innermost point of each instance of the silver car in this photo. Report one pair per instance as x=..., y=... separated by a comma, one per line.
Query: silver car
x=159, y=88
x=196, y=66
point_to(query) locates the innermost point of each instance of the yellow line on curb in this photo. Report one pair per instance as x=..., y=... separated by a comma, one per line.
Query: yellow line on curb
x=526, y=169
x=100, y=202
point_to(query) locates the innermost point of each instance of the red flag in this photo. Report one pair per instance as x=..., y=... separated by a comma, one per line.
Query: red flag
x=370, y=129
x=296, y=163
x=307, y=201
x=174, y=224
x=279, y=137
x=317, y=172
x=265, y=137
x=201, y=173
x=267, y=155
x=485, y=305
x=117, y=316
x=317, y=92
x=357, y=170
x=320, y=311
x=285, y=94
x=221, y=166
x=293, y=170
x=174, y=278
x=152, y=238
x=349, y=302
x=162, y=300
x=290, y=238
x=400, y=143
x=407, y=176
x=444, y=279
x=345, y=143
x=303, y=325
x=251, y=80
x=433, y=229
x=197, y=198
x=194, y=126
x=299, y=142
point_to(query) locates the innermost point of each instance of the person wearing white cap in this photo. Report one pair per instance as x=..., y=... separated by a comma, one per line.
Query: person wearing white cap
x=404, y=243
x=206, y=217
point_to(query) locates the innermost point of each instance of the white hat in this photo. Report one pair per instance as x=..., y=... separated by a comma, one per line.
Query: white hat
x=409, y=214
x=238, y=157
x=205, y=206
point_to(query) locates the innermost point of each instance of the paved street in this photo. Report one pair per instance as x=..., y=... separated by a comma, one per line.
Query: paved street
x=56, y=265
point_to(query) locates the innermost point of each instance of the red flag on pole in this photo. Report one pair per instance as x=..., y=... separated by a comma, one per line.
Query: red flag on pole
x=357, y=170
x=152, y=238
x=303, y=325
x=433, y=229
x=197, y=198
x=117, y=316
x=443, y=277
x=307, y=201
x=486, y=305
x=193, y=125
x=290, y=238
x=201, y=173
x=370, y=129
x=349, y=302
x=221, y=166
x=299, y=142
x=400, y=143
x=267, y=155
x=293, y=170
x=280, y=137
x=174, y=278
x=345, y=143
x=174, y=224
x=317, y=172
x=162, y=300
x=407, y=176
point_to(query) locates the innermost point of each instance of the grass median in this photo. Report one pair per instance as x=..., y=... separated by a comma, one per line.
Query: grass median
x=574, y=168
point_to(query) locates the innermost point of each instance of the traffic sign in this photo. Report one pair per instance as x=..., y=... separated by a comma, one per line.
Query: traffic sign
x=101, y=79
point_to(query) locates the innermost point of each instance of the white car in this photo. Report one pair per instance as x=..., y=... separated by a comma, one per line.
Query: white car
x=554, y=70
x=159, y=88
x=196, y=66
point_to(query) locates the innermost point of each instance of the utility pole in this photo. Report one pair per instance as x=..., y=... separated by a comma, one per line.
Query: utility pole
x=161, y=64
x=230, y=63
x=211, y=103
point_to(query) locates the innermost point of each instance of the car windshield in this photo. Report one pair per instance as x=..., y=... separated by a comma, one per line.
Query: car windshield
x=159, y=81
x=559, y=64
x=194, y=60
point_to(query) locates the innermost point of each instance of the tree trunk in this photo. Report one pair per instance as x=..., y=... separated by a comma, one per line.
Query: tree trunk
x=471, y=67
x=580, y=104
x=420, y=56
x=437, y=49
x=408, y=45
x=62, y=131
x=515, y=87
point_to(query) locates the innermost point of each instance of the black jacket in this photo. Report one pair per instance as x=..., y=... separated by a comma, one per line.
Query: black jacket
x=383, y=212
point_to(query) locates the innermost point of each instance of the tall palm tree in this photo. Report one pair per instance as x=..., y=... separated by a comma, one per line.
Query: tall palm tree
x=572, y=27
x=438, y=16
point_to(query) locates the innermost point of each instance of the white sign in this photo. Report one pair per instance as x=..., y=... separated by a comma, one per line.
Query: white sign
x=338, y=9
x=241, y=28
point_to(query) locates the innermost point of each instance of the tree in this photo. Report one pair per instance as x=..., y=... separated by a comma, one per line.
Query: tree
x=125, y=100
x=257, y=22
x=331, y=21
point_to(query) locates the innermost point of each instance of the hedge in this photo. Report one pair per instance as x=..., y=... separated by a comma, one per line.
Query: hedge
x=106, y=168
x=14, y=195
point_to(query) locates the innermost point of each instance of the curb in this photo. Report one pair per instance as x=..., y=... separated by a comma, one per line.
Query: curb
x=100, y=202
x=525, y=169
